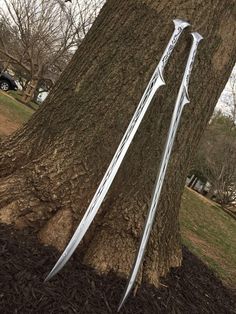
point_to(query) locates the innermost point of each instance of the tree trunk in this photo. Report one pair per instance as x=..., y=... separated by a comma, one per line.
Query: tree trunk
x=28, y=92
x=36, y=95
x=51, y=168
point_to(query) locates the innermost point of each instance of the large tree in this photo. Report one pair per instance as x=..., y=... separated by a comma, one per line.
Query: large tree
x=52, y=166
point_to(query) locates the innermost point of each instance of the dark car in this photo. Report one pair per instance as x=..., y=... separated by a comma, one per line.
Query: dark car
x=7, y=82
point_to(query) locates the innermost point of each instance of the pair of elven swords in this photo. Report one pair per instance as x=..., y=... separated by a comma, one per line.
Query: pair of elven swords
x=182, y=99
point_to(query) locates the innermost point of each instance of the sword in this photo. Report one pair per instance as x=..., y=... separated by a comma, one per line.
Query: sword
x=181, y=101
x=155, y=82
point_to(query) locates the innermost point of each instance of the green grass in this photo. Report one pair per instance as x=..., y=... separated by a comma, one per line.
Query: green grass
x=13, y=109
x=210, y=233
x=18, y=95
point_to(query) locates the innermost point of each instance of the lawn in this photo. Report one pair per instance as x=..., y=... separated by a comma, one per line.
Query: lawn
x=18, y=95
x=12, y=114
x=14, y=109
x=210, y=233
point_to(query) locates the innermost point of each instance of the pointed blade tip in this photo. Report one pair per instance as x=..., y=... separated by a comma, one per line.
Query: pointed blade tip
x=50, y=276
x=123, y=299
x=120, y=306
x=47, y=278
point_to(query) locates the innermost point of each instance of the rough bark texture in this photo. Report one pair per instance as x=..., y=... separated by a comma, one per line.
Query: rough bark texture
x=51, y=167
x=28, y=93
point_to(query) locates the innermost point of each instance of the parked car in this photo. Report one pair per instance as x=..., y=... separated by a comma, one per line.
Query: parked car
x=7, y=82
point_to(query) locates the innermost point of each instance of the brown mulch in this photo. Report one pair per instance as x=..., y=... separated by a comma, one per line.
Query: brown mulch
x=24, y=264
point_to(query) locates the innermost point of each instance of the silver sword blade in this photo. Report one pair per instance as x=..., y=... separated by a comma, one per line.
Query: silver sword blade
x=155, y=82
x=182, y=99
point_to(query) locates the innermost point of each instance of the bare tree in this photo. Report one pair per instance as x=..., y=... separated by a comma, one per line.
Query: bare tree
x=82, y=14
x=216, y=158
x=42, y=36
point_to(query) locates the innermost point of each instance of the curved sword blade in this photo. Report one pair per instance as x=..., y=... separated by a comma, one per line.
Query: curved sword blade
x=155, y=82
x=181, y=100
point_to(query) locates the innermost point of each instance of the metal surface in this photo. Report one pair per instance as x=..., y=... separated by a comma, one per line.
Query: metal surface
x=155, y=82
x=4, y=86
x=182, y=99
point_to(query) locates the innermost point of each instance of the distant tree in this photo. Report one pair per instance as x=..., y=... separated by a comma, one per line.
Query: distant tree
x=216, y=158
x=40, y=36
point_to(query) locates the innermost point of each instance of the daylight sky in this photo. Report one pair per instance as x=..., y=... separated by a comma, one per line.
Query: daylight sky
x=226, y=95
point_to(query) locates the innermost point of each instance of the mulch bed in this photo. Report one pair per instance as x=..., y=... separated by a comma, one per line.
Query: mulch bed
x=24, y=264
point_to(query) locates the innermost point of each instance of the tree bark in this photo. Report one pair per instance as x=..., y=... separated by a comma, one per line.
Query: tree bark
x=51, y=168
x=28, y=92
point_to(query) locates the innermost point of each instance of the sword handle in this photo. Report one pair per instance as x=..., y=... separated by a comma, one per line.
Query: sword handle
x=180, y=25
x=196, y=40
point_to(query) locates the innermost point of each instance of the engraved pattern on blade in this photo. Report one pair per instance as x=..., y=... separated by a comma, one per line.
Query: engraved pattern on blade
x=155, y=82
x=182, y=99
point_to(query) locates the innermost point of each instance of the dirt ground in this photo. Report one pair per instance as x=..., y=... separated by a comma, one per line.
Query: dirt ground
x=7, y=126
x=24, y=263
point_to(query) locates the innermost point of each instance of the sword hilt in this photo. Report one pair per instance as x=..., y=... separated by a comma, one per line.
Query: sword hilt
x=180, y=25
x=196, y=40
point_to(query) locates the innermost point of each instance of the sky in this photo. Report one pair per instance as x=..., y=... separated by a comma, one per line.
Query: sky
x=226, y=95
